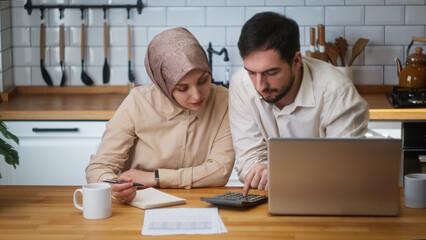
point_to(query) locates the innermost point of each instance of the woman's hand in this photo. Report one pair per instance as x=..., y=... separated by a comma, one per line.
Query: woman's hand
x=125, y=192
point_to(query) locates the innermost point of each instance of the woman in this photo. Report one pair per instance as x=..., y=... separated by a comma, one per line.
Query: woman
x=176, y=128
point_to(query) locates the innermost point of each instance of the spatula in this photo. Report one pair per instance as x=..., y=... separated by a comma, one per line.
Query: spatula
x=342, y=45
x=332, y=52
x=84, y=77
x=357, y=49
x=61, y=53
x=44, y=73
x=129, y=51
x=105, y=70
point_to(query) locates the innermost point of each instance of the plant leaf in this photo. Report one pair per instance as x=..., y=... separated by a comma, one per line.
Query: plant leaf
x=10, y=154
x=7, y=134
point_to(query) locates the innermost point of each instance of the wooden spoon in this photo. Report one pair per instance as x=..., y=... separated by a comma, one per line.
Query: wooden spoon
x=357, y=49
x=332, y=52
x=342, y=44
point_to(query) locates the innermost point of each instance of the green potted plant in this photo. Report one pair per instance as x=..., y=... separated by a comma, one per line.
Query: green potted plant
x=9, y=153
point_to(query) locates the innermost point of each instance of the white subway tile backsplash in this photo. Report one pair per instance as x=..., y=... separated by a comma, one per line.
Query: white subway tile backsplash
x=365, y=2
x=402, y=34
x=117, y=36
x=94, y=17
x=384, y=15
x=138, y=57
x=6, y=60
x=375, y=35
x=151, y=16
x=27, y=56
x=8, y=79
x=352, y=15
x=325, y=2
x=251, y=11
x=118, y=56
x=71, y=17
x=205, y=2
x=21, y=37
x=139, y=36
x=215, y=35
x=186, y=16
x=118, y=76
x=20, y=18
x=388, y=24
x=284, y=2
x=232, y=35
x=368, y=75
x=6, y=39
x=382, y=55
x=415, y=15
x=95, y=56
x=225, y=16
x=300, y=15
x=390, y=75
x=245, y=2
x=166, y=3
x=5, y=19
x=405, y=2
x=22, y=76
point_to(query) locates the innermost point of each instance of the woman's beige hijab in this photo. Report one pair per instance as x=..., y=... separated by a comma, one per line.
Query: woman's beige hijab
x=172, y=54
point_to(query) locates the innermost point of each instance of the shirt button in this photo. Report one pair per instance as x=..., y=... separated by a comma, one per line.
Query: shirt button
x=181, y=148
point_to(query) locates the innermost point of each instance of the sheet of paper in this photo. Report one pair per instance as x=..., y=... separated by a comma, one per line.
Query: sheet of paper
x=182, y=221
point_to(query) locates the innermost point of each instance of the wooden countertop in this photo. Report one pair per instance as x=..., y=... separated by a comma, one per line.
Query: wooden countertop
x=100, y=103
x=48, y=212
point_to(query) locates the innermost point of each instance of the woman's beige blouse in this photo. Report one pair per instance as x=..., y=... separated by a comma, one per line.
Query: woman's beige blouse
x=148, y=132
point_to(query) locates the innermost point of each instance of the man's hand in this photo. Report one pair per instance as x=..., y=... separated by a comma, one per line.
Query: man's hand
x=257, y=177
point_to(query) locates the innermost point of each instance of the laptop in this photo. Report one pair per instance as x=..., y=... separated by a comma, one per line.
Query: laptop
x=323, y=176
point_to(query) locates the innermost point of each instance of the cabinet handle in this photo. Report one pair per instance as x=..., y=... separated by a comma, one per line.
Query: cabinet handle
x=422, y=158
x=55, y=130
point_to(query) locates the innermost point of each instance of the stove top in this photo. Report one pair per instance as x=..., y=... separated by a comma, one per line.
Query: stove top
x=408, y=97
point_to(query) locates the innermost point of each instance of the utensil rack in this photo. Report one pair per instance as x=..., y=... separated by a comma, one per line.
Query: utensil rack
x=29, y=7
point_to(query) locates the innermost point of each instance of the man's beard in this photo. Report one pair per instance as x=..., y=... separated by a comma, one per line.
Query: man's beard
x=281, y=92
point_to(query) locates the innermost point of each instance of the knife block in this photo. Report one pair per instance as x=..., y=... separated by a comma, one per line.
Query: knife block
x=317, y=55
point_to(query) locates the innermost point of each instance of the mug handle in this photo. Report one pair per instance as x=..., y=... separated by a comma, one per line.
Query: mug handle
x=75, y=199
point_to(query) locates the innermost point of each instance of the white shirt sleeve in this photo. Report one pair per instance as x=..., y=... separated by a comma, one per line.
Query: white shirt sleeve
x=249, y=144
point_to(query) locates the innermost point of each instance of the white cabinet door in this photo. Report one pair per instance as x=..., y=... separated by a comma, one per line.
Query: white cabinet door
x=53, y=152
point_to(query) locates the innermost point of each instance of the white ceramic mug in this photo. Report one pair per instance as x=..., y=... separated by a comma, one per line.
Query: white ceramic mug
x=96, y=200
x=415, y=190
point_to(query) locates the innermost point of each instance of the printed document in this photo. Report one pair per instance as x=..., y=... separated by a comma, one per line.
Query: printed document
x=182, y=221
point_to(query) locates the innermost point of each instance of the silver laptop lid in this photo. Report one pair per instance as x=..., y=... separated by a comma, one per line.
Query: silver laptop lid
x=323, y=176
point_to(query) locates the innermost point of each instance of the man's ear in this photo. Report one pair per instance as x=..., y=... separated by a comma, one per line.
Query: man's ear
x=297, y=60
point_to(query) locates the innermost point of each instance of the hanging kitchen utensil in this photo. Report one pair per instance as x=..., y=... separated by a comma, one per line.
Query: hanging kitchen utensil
x=357, y=49
x=332, y=52
x=44, y=73
x=312, y=37
x=342, y=45
x=129, y=51
x=321, y=37
x=84, y=77
x=61, y=53
x=105, y=70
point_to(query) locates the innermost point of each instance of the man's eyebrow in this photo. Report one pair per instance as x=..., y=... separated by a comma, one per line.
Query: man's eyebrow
x=267, y=70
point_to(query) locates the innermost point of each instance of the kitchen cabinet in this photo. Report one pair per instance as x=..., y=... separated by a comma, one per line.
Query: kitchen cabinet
x=52, y=152
x=56, y=152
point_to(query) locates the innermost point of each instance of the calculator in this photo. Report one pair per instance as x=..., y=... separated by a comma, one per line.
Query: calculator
x=236, y=200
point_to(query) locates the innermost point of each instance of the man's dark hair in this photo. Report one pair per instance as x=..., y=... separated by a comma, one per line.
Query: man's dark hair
x=269, y=30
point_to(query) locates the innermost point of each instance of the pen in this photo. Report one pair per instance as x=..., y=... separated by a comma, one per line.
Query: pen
x=119, y=181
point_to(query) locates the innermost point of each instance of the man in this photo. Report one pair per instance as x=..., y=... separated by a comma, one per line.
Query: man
x=279, y=93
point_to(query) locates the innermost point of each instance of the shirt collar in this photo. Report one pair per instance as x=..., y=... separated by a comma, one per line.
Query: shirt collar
x=305, y=95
